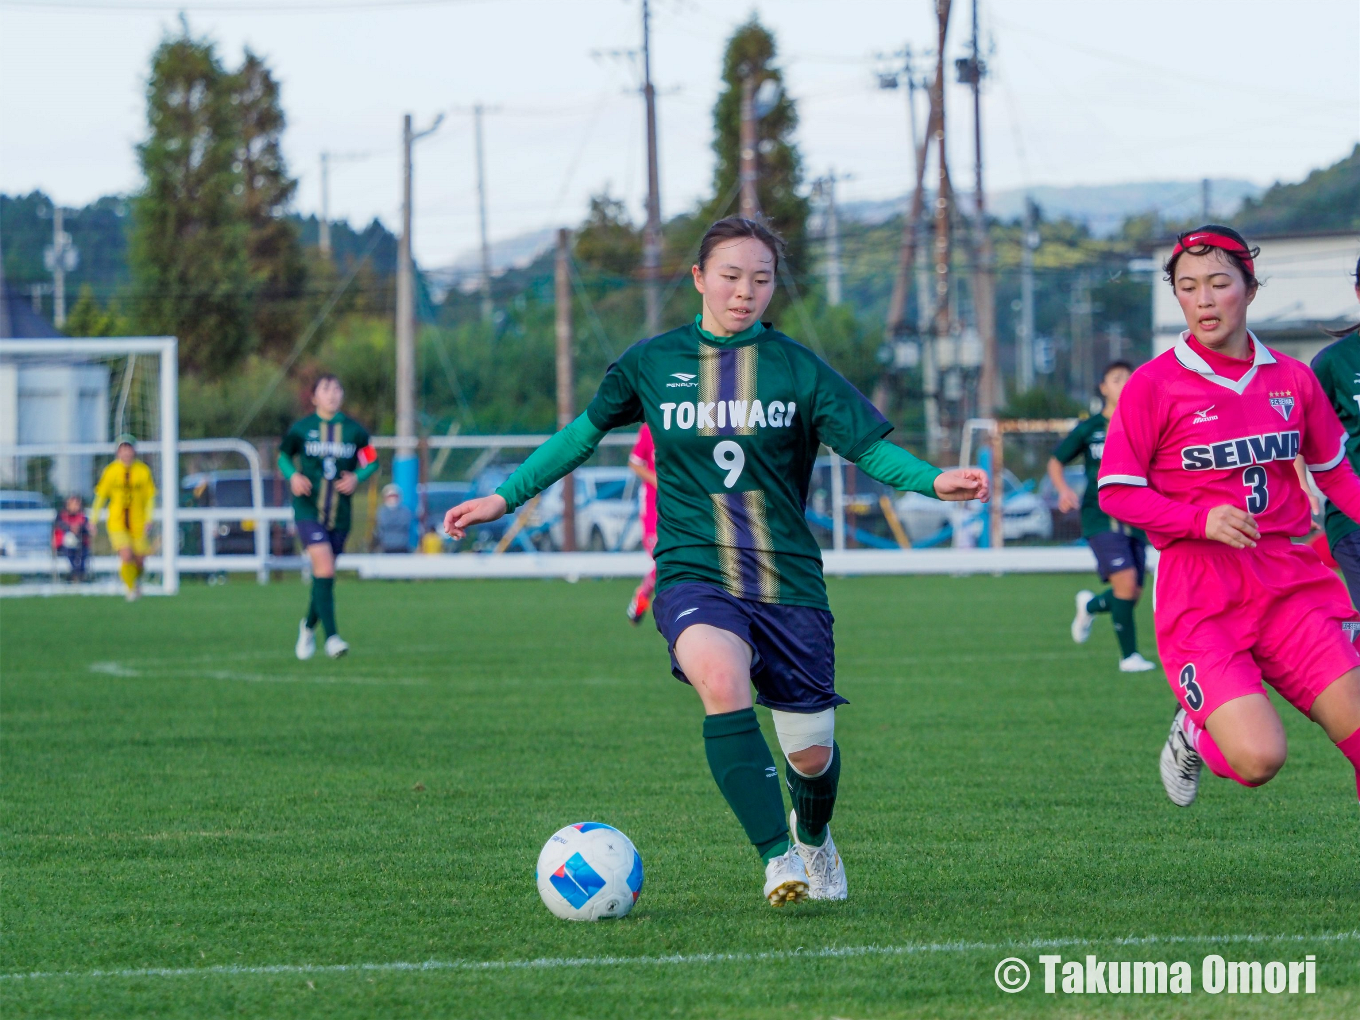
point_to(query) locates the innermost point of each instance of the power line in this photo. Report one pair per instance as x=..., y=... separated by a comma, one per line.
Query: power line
x=252, y=7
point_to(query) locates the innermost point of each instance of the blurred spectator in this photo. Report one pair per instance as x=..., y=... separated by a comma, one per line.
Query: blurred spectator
x=393, y=533
x=71, y=536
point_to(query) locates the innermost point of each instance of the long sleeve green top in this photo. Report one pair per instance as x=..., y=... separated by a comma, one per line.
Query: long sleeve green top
x=573, y=445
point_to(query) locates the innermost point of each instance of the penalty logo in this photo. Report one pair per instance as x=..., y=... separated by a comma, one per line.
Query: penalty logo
x=1283, y=401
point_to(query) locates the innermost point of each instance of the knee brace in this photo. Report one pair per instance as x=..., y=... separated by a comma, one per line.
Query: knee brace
x=797, y=731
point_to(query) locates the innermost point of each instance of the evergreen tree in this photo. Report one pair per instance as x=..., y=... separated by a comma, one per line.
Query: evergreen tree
x=188, y=248
x=608, y=241
x=751, y=50
x=273, y=246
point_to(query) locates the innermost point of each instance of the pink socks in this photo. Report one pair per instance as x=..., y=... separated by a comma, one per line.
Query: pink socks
x=1204, y=744
x=1350, y=747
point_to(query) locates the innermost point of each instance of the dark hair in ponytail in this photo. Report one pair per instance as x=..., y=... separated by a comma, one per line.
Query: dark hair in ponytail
x=1339, y=333
x=735, y=228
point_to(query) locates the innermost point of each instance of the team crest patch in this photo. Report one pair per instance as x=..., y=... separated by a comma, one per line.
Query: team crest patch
x=1350, y=628
x=1282, y=401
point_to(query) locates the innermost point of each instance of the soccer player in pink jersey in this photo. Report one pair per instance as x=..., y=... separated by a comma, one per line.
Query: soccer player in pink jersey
x=643, y=462
x=1200, y=455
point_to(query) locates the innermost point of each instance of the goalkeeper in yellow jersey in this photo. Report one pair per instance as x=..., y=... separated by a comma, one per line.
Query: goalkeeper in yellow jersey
x=128, y=488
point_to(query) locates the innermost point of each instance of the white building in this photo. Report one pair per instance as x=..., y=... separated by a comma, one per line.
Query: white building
x=54, y=399
x=1307, y=285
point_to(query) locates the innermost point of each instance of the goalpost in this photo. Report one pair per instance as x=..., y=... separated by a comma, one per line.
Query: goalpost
x=63, y=402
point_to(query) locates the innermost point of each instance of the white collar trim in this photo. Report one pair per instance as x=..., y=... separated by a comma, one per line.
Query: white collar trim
x=1190, y=359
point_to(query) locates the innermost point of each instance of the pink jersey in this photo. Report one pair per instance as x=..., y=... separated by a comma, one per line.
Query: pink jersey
x=644, y=455
x=1186, y=439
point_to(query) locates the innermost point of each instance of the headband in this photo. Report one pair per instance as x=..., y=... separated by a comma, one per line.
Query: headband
x=1207, y=238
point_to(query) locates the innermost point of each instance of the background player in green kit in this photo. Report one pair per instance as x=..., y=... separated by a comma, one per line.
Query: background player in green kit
x=1337, y=367
x=1121, y=551
x=333, y=455
x=738, y=411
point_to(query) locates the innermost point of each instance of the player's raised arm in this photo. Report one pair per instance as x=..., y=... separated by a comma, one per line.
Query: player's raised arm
x=567, y=450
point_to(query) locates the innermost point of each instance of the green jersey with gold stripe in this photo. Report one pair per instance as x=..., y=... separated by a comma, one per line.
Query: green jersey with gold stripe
x=323, y=449
x=737, y=423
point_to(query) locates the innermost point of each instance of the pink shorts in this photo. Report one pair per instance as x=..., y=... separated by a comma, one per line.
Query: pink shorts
x=1229, y=618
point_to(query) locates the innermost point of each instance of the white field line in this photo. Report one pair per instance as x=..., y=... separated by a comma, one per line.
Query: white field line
x=552, y=963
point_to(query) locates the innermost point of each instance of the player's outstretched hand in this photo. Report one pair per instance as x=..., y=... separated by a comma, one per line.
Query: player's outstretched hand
x=474, y=511
x=1067, y=500
x=300, y=484
x=1232, y=526
x=962, y=484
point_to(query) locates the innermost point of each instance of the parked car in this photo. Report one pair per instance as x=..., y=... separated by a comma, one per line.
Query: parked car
x=25, y=538
x=232, y=489
x=1027, y=516
x=606, y=510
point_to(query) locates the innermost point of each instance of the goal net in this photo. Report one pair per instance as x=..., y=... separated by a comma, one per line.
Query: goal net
x=63, y=404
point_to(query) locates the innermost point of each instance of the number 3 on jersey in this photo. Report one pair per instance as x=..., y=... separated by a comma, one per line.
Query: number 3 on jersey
x=1258, y=496
x=731, y=458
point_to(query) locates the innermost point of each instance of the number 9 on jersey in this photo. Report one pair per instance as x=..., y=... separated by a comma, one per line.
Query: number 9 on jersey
x=730, y=457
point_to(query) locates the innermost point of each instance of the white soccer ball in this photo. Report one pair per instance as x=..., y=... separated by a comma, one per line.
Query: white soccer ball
x=589, y=871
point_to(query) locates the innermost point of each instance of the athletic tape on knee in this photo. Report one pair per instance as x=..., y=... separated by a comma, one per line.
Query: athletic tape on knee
x=797, y=731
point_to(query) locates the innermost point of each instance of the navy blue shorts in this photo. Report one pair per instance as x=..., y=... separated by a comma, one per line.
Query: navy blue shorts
x=316, y=533
x=793, y=665
x=1346, y=552
x=1116, y=552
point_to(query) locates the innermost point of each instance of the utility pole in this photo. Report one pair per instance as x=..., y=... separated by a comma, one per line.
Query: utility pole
x=825, y=189
x=1204, y=194
x=60, y=241
x=750, y=202
x=943, y=325
x=1028, y=244
x=971, y=69
x=406, y=465
x=651, y=237
x=1082, y=354
x=477, y=112
x=325, y=229
x=60, y=258
x=908, y=258
x=566, y=378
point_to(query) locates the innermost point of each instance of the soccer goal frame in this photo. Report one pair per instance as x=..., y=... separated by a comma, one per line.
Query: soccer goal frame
x=166, y=350
x=995, y=431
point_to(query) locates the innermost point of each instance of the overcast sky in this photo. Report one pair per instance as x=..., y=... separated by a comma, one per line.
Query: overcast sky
x=1081, y=92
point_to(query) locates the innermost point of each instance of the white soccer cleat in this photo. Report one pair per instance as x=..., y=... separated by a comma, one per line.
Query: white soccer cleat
x=336, y=646
x=1081, y=623
x=786, y=878
x=1181, y=764
x=306, y=642
x=133, y=594
x=825, y=869
x=1135, y=663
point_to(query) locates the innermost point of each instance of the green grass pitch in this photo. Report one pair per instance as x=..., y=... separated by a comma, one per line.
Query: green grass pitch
x=180, y=793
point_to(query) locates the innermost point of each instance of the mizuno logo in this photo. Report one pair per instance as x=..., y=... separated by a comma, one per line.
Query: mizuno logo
x=686, y=612
x=1203, y=416
x=1241, y=452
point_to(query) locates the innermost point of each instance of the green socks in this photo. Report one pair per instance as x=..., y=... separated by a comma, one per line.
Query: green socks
x=1102, y=603
x=814, y=798
x=746, y=774
x=322, y=607
x=1121, y=612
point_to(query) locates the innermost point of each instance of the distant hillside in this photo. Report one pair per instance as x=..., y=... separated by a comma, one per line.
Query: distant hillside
x=1327, y=199
x=1101, y=207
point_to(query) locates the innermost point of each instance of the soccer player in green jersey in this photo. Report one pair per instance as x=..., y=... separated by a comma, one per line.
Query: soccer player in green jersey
x=1121, y=551
x=738, y=411
x=333, y=455
x=1337, y=367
